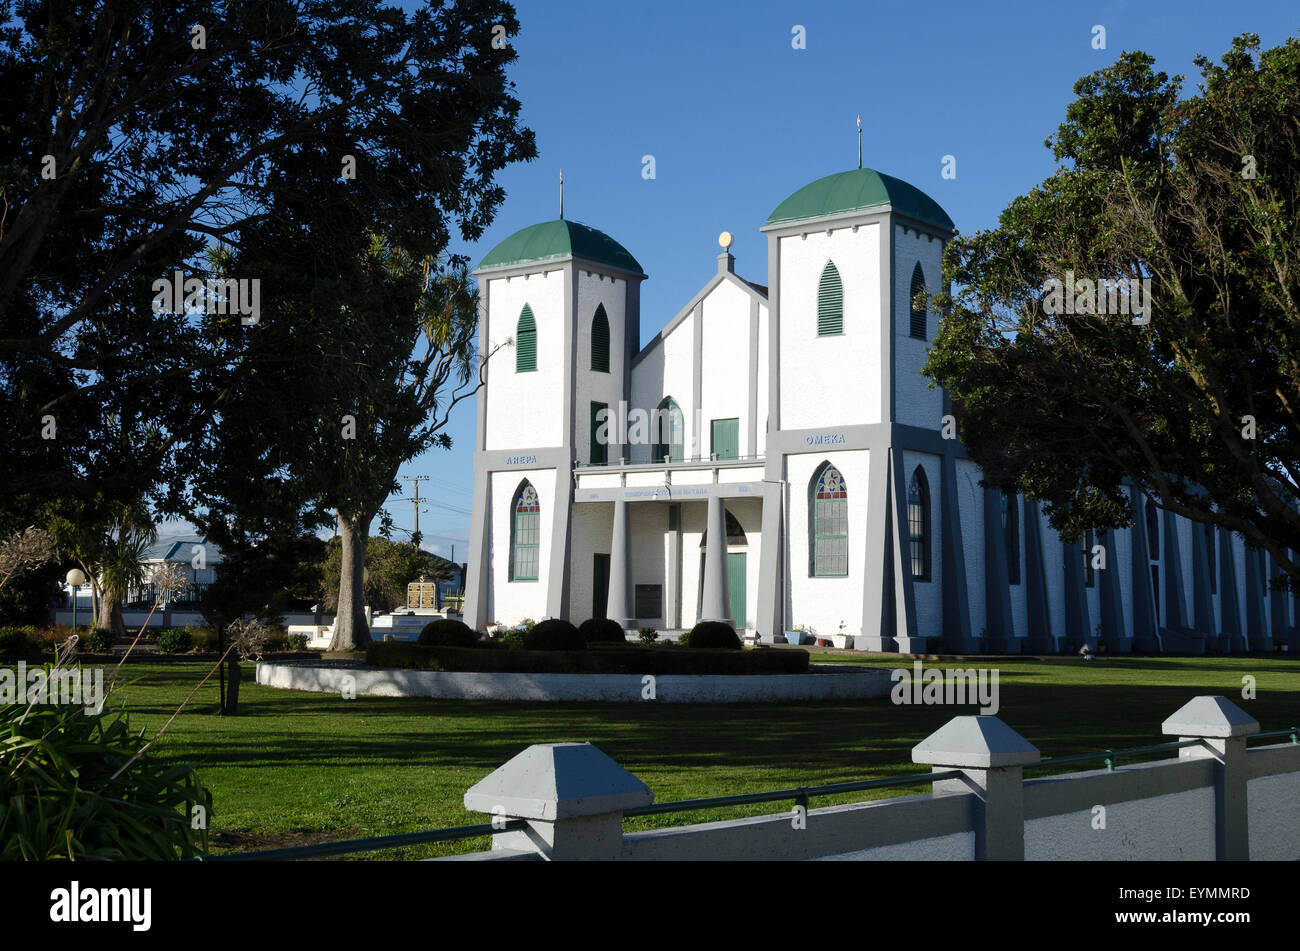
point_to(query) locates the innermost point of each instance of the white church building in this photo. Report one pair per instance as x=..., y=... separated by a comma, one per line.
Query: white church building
x=796, y=472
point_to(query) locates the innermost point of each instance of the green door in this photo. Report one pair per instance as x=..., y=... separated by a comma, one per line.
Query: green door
x=736, y=584
x=726, y=438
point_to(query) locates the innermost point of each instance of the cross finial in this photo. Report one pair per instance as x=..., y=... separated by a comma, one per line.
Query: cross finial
x=562, y=194
x=859, y=140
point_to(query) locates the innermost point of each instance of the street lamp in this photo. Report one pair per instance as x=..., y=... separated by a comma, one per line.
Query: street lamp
x=75, y=577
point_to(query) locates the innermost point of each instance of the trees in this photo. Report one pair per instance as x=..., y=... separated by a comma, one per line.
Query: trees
x=1198, y=405
x=138, y=135
x=389, y=568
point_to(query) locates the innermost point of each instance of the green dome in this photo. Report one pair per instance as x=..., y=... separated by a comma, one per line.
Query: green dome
x=856, y=190
x=560, y=239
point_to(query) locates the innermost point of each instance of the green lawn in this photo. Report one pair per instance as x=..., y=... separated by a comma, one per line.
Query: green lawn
x=299, y=767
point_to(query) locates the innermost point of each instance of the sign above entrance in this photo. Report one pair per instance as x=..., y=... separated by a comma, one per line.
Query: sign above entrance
x=821, y=439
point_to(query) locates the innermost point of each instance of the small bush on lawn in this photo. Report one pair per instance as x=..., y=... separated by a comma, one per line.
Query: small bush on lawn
x=15, y=640
x=297, y=642
x=602, y=630
x=513, y=640
x=684, y=639
x=628, y=660
x=175, y=640
x=554, y=634
x=714, y=635
x=447, y=632
x=98, y=641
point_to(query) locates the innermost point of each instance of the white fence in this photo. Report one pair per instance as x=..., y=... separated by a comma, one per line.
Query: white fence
x=1215, y=799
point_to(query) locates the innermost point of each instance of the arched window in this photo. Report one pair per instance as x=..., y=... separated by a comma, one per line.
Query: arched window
x=525, y=533
x=830, y=302
x=918, y=523
x=669, y=430
x=830, y=524
x=1153, y=530
x=918, y=310
x=526, y=342
x=735, y=533
x=600, y=341
x=1011, y=534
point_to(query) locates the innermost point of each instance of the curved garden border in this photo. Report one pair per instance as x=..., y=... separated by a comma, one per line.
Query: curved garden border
x=820, y=683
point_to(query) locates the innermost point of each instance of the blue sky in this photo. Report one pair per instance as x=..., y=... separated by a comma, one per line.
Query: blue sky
x=737, y=119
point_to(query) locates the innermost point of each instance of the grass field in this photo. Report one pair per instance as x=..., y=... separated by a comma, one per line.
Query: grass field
x=298, y=767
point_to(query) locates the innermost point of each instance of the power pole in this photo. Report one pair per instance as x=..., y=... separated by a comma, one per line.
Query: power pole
x=416, y=500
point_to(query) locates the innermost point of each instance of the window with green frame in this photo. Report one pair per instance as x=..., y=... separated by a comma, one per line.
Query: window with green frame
x=600, y=341
x=830, y=520
x=525, y=533
x=726, y=438
x=526, y=342
x=830, y=302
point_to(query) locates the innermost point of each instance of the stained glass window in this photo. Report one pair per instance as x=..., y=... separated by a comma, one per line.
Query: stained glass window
x=830, y=524
x=525, y=534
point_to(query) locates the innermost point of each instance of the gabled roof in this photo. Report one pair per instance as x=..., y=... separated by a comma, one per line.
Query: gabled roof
x=179, y=547
x=857, y=190
x=749, y=287
x=555, y=240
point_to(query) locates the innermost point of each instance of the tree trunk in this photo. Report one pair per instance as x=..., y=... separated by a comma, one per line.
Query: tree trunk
x=108, y=614
x=231, y=706
x=351, y=632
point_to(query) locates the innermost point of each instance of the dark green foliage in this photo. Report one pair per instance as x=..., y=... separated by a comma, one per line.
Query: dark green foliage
x=554, y=634
x=715, y=635
x=513, y=640
x=297, y=642
x=174, y=640
x=447, y=632
x=59, y=800
x=648, y=635
x=98, y=641
x=684, y=639
x=14, y=640
x=629, y=660
x=602, y=630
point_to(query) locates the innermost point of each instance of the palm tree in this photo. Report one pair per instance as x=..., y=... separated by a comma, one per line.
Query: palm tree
x=120, y=569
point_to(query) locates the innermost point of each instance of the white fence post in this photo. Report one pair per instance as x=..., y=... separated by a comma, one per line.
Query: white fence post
x=572, y=795
x=993, y=757
x=1222, y=726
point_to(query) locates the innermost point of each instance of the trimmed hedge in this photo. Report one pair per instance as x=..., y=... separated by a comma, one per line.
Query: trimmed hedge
x=554, y=634
x=447, y=632
x=629, y=660
x=602, y=630
x=714, y=635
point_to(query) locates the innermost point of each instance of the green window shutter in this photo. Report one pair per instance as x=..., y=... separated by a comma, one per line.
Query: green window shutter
x=600, y=341
x=919, y=328
x=726, y=438
x=599, y=450
x=830, y=302
x=526, y=342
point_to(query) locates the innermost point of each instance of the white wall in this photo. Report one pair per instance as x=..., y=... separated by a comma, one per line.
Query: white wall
x=851, y=360
x=1176, y=827
x=825, y=602
x=509, y=602
x=526, y=409
x=916, y=403
x=725, y=367
x=929, y=595
x=589, y=385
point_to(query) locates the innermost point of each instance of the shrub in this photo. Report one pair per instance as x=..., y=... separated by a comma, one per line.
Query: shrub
x=715, y=635
x=14, y=640
x=175, y=640
x=527, y=624
x=447, y=632
x=684, y=639
x=62, y=802
x=297, y=642
x=203, y=638
x=554, y=634
x=275, y=639
x=613, y=660
x=98, y=641
x=602, y=630
x=513, y=640
x=648, y=635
